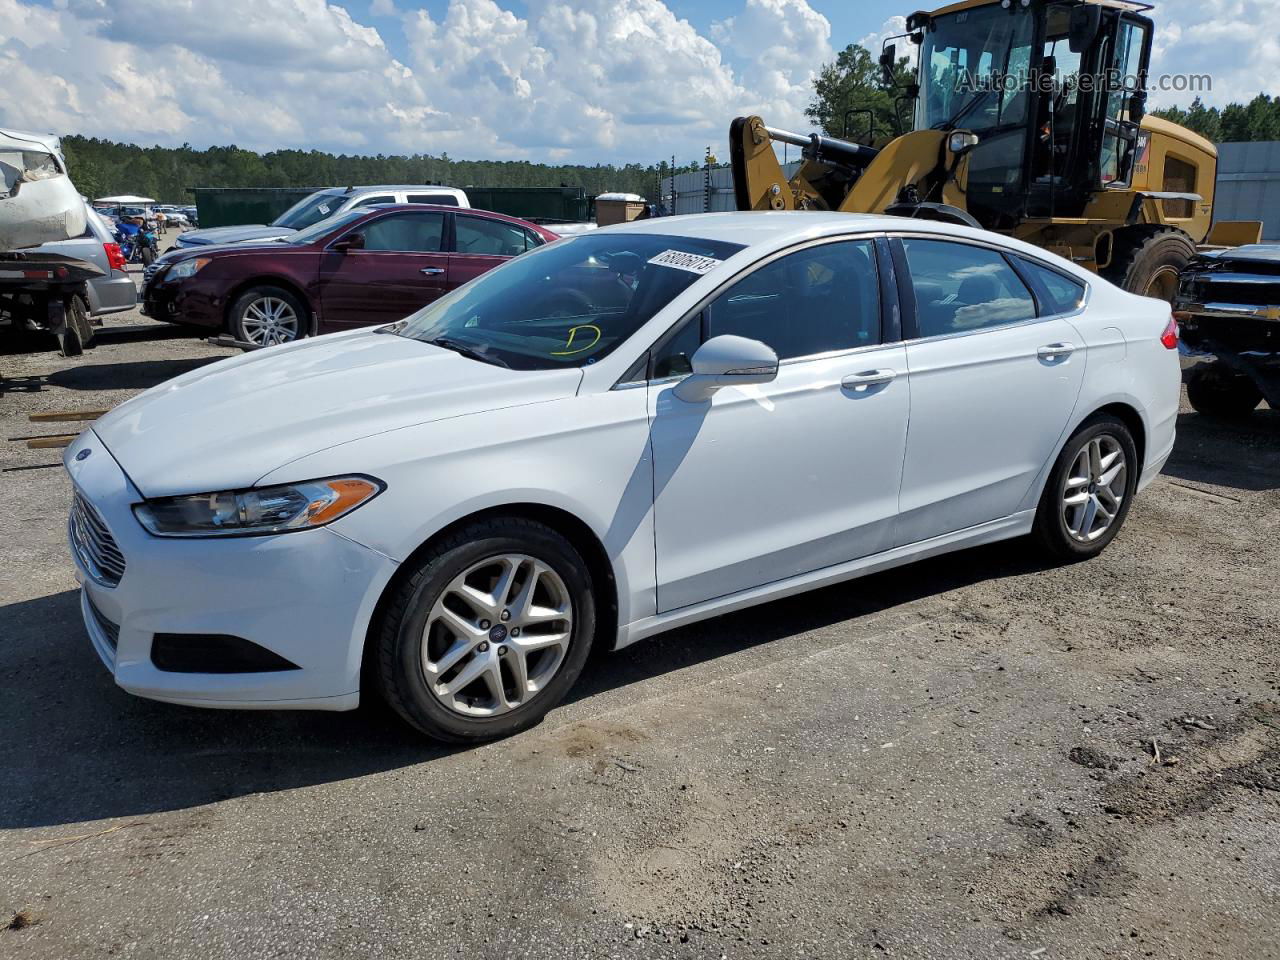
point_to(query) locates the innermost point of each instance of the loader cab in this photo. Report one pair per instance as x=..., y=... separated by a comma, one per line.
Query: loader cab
x=1054, y=91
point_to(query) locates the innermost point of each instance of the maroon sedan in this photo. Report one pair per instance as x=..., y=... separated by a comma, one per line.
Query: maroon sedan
x=365, y=266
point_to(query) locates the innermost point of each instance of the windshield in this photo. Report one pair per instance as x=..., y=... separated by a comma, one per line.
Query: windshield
x=320, y=228
x=569, y=303
x=309, y=210
x=974, y=66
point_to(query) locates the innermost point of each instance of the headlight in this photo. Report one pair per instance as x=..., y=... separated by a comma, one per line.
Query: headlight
x=187, y=268
x=262, y=510
x=962, y=141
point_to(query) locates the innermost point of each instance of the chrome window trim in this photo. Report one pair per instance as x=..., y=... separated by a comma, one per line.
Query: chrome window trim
x=759, y=264
x=1003, y=251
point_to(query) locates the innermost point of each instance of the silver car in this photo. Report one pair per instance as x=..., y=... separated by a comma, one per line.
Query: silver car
x=113, y=292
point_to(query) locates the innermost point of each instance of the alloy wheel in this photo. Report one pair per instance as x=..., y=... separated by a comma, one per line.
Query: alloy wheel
x=497, y=635
x=268, y=321
x=1094, y=488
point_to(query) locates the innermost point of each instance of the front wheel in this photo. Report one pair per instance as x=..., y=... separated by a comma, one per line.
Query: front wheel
x=1214, y=390
x=1087, y=496
x=266, y=316
x=487, y=633
x=148, y=256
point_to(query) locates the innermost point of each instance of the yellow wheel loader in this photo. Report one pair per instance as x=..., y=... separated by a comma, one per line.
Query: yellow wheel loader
x=1028, y=117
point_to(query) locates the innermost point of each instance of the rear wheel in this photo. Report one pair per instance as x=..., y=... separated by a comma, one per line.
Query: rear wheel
x=266, y=316
x=1216, y=391
x=1087, y=496
x=488, y=633
x=1148, y=261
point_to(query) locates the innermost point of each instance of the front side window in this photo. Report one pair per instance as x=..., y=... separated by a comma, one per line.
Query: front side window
x=493, y=238
x=817, y=300
x=370, y=201
x=960, y=287
x=405, y=233
x=569, y=303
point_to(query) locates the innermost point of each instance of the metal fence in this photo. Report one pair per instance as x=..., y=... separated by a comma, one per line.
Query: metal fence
x=1248, y=187
x=704, y=191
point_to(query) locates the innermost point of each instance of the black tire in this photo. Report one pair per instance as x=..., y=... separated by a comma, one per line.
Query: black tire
x=1051, y=531
x=1216, y=391
x=1148, y=259
x=241, y=323
x=77, y=332
x=398, y=637
x=148, y=256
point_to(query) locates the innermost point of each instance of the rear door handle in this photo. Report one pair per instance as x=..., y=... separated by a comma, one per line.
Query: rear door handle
x=1056, y=351
x=432, y=271
x=867, y=379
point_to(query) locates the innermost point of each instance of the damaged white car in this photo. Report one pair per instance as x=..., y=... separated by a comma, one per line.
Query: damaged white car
x=38, y=202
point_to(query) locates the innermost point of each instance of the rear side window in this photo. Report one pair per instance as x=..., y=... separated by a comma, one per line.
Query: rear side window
x=1057, y=293
x=494, y=238
x=961, y=287
x=441, y=199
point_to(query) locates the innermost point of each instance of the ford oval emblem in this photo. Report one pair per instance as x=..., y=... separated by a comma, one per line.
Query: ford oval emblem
x=84, y=454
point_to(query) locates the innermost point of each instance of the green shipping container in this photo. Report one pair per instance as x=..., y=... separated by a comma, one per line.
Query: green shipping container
x=532, y=203
x=232, y=206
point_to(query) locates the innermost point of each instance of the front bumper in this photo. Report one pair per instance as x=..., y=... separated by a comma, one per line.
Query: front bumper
x=307, y=597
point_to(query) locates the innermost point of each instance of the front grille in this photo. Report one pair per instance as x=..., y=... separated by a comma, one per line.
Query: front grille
x=148, y=272
x=94, y=544
x=109, y=629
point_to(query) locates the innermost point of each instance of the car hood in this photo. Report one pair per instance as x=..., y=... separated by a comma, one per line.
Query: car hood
x=226, y=425
x=252, y=231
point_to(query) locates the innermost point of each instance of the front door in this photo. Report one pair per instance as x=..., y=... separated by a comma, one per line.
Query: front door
x=993, y=386
x=401, y=268
x=763, y=483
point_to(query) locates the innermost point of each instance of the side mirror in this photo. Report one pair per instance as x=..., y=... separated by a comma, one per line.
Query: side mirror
x=1137, y=106
x=727, y=361
x=887, y=61
x=352, y=241
x=1083, y=27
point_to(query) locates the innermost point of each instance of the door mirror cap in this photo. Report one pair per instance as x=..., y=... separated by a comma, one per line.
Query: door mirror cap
x=727, y=361
x=352, y=241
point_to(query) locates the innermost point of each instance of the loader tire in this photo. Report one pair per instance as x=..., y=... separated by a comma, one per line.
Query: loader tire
x=1147, y=260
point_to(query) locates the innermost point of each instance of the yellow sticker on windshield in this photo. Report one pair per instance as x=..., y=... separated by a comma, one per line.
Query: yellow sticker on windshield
x=570, y=349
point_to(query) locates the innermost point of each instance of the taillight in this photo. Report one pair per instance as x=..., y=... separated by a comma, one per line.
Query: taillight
x=1169, y=339
x=115, y=256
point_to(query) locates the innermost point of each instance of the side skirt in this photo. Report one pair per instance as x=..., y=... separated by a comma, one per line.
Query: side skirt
x=1012, y=526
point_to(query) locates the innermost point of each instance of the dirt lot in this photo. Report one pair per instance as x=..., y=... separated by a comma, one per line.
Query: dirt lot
x=954, y=759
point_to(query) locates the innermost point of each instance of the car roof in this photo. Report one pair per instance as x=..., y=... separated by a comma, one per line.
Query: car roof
x=429, y=187
x=449, y=208
x=774, y=229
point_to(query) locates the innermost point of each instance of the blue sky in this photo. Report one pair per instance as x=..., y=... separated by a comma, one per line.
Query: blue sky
x=550, y=80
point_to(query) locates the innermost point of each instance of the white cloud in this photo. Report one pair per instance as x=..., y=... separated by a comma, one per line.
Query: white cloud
x=585, y=80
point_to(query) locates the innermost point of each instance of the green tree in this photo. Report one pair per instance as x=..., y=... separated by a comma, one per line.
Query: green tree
x=853, y=83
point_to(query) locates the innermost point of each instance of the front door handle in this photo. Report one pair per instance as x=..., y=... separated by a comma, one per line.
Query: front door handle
x=1056, y=351
x=861, y=382
x=432, y=271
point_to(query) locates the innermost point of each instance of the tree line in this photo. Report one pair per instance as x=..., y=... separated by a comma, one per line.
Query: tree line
x=102, y=168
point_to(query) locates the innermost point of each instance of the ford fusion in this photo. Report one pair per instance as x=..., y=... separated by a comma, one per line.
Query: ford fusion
x=610, y=436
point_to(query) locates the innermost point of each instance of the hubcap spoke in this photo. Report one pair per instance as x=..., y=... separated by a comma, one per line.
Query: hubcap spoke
x=1093, y=489
x=497, y=635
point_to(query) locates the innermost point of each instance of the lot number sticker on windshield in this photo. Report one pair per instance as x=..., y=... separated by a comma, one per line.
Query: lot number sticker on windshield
x=686, y=261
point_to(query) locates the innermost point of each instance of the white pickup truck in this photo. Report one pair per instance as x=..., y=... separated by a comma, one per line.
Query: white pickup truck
x=41, y=291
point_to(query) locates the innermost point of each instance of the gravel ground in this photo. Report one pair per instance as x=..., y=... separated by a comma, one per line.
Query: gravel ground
x=954, y=759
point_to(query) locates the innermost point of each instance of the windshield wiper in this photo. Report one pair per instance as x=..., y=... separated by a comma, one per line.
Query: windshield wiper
x=964, y=111
x=467, y=350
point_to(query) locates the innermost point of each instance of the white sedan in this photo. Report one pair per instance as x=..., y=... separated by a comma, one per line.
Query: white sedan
x=617, y=434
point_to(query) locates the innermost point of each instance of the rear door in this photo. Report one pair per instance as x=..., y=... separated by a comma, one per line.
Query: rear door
x=994, y=380
x=402, y=267
x=481, y=243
